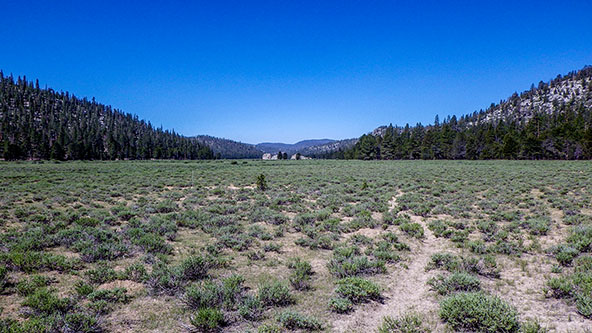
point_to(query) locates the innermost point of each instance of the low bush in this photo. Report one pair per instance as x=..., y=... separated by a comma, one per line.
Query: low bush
x=207, y=319
x=575, y=286
x=454, y=283
x=275, y=293
x=408, y=323
x=251, y=308
x=116, y=295
x=203, y=295
x=478, y=312
x=340, y=305
x=30, y=262
x=28, y=286
x=412, y=229
x=294, y=320
x=347, y=262
x=538, y=226
x=439, y=228
x=3, y=278
x=81, y=323
x=102, y=274
x=358, y=290
x=445, y=261
x=44, y=301
x=301, y=273
x=165, y=279
x=83, y=289
x=270, y=328
x=195, y=268
x=136, y=272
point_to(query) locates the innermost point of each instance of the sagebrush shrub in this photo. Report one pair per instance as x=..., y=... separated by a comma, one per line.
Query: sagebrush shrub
x=295, y=320
x=408, y=323
x=275, y=293
x=478, y=312
x=207, y=319
x=358, y=290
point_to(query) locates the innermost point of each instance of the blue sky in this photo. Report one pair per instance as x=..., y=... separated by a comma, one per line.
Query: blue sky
x=284, y=71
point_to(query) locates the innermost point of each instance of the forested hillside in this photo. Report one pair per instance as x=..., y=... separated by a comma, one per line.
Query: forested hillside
x=334, y=149
x=225, y=148
x=40, y=123
x=550, y=121
x=292, y=148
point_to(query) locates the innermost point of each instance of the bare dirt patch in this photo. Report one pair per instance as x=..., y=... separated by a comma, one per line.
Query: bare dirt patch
x=406, y=289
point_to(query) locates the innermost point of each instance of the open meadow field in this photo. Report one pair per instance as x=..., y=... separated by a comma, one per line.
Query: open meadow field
x=277, y=246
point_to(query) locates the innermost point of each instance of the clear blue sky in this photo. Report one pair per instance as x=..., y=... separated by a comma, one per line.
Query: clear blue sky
x=284, y=71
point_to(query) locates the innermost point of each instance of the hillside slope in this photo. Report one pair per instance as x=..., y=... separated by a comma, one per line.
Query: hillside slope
x=298, y=147
x=40, y=123
x=226, y=148
x=550, y=121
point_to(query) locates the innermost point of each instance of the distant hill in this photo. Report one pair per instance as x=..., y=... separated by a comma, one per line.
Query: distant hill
x=40, y=123
x=225, y=148
x=333, y=149
x=552, y=120
x=298, y=147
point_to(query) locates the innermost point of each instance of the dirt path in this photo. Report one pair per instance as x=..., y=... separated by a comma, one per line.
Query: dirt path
x=405, y=289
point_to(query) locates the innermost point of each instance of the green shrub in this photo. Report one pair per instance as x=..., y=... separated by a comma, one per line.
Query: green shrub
x=409, y=323
x=81, y=323
x=3, y=278
x=340, y=305
x=301, y=272
x=203, y=295
x=346, y=262
x=445, y=261
x=413, y=229
x=251, y=308
x=358, y=290
x=87, y=222
x=581, y=238
x=30, y=262
x=532, y=326
x=195, y=268
x=116, y=295
x=136, y=272
x=566, y=254
x=477, y=247
x=575, y=286
x=44, y=301
x=295, y=320
x=538, y=226
x=478, y=312
x=261, y=182
x=275, y=293
x=153, y=243
x=208, y=319
x=454, y=283
x=83, y=289
x=270, y=328
x=165, y=279
x=101, y=274
x=439, y=228
x=27, y=287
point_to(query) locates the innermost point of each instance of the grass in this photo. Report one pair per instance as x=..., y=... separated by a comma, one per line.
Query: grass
x=75, y=235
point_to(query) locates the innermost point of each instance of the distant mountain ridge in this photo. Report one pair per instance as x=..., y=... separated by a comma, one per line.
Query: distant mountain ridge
x=225, y=148
x=298, y=147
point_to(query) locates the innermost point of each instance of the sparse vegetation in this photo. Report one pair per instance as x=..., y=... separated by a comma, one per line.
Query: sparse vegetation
x=84, y=244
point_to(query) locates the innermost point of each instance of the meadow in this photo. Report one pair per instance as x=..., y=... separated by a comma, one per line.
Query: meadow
x=278, y=246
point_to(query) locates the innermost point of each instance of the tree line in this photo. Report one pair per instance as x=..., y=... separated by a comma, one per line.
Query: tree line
x=563, y=133
x=40, y=123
